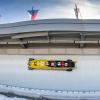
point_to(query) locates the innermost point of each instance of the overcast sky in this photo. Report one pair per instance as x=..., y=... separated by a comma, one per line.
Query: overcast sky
x=16, y=10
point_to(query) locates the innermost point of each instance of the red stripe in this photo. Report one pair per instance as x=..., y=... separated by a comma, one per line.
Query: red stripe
x=62, y=64
x=34, y=16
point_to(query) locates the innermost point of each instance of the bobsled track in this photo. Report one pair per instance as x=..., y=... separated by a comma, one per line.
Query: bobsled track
x=82, y=82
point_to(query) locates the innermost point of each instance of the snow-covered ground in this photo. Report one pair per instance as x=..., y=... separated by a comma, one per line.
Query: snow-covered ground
x=14, y=71
x=2, y=97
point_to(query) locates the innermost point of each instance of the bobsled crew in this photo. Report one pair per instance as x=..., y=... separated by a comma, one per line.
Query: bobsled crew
x=67, y=65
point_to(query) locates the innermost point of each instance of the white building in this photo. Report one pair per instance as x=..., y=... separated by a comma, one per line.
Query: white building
x=68, y=36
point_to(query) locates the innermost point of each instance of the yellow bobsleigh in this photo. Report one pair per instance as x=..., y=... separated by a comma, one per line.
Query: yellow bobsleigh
x=67, y=65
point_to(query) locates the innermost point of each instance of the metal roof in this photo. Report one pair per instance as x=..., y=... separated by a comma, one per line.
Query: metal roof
x=51, y=25
x=52, y=31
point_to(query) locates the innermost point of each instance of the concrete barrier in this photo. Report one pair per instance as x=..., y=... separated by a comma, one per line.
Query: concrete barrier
x=50, y=51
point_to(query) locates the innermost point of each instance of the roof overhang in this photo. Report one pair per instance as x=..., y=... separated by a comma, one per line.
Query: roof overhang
x=51, y=31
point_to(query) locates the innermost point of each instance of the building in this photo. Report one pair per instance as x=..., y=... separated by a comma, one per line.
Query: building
x=51, y=36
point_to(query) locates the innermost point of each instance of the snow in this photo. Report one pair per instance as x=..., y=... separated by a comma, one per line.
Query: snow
x=2, y=97
x=14, y=71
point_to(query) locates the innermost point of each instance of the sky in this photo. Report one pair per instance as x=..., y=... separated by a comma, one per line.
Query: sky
x=16, y=10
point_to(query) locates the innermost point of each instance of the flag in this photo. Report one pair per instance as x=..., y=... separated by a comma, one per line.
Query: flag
x=33, y=13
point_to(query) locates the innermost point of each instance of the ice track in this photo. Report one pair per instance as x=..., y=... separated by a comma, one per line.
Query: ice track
x=14, y=72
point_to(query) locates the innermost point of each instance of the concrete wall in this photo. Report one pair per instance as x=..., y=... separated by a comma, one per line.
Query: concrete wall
x=42, y=51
